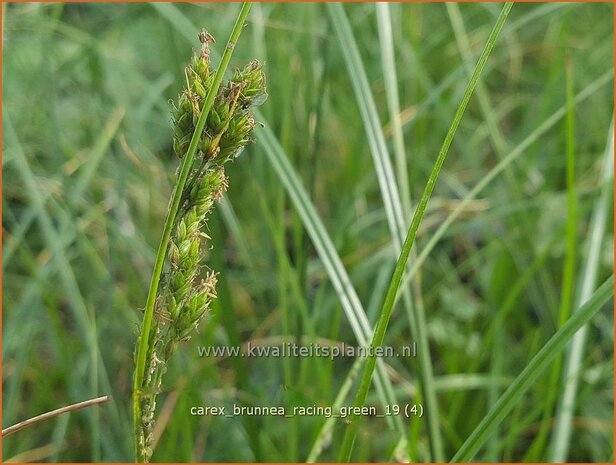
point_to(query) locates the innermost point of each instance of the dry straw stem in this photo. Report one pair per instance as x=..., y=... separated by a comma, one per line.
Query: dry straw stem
x=54, y=413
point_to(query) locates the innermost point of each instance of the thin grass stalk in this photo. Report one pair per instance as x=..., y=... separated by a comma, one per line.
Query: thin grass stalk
x=534, y=452
x=53, y=413
x=534, y=368
x=170, y=219
x=381, y=327
x=394, y=208
x=388, y=62
x=561, y=436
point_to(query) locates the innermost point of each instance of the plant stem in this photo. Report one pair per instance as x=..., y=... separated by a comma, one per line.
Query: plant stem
x=54, y=413
x=171, y=214
x=534, y=452
x=390, y=297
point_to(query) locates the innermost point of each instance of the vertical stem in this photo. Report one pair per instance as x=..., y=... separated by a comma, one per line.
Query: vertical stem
x=535, y=451
x=561, y=434
x=169, y=221
x=388, y=61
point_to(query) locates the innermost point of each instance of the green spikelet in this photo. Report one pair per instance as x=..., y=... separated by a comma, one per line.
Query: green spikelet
x=189, y=287
x=230, y=120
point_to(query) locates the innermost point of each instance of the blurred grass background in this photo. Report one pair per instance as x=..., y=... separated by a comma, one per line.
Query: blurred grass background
x=87, y=173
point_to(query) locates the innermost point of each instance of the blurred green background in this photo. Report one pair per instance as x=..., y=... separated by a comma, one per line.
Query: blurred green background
x=88, y=168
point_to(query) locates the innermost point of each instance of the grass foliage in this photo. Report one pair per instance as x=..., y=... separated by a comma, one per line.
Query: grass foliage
x=361, y=99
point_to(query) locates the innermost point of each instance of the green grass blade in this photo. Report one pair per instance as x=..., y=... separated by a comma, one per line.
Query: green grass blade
x=534, y=368
x=388, y=63
x=383, y=321
x=569, y=269
x=566, y=296
x=369, y=115
x=327, y=252
x=391, y=197
x=561, y=437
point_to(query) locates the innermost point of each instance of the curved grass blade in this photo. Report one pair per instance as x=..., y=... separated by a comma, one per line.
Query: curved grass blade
x=383, y=321
x=391, y=200
x=535, y=367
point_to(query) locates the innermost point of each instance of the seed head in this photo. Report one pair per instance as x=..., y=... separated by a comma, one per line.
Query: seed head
x=254, y=92
x=186, y=293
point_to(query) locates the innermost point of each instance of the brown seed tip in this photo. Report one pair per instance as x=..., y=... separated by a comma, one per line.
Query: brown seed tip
x=206, y=38
x=220, y=192
x=208, y=284
x=235, y=89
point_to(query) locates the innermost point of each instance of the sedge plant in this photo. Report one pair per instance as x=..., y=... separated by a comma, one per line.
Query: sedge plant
x=212, y=123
